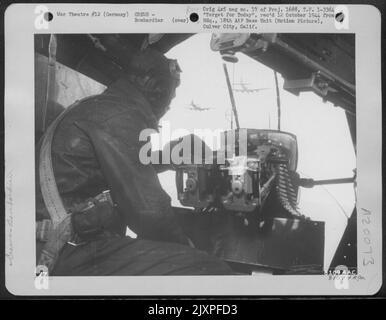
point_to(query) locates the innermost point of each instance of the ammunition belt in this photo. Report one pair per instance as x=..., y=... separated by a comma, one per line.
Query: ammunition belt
x=286, y=191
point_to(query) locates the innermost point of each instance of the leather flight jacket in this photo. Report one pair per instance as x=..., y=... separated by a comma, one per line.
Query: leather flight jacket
x=96, y=148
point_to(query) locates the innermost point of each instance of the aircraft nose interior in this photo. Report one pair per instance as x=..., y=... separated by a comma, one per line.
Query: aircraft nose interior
x=251, y=200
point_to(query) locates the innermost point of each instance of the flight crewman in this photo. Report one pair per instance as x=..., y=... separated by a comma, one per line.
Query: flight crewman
x=95, y=148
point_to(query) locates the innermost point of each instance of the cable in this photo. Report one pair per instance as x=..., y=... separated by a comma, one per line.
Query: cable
x=233, y=85
x=335, y=200
x=231, y=96
x=51, y=74
x=277, y=101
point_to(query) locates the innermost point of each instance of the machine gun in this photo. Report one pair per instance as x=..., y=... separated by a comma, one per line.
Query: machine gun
x=246, y=202
x=243, y=175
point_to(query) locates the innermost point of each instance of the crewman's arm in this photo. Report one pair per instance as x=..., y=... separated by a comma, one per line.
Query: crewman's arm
x=134, y=186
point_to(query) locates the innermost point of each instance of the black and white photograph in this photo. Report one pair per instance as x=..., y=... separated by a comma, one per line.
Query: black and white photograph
x=193, y=150
x=130, y=120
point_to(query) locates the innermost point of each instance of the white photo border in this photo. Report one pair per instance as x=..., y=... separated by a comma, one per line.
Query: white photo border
x=365, y=22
